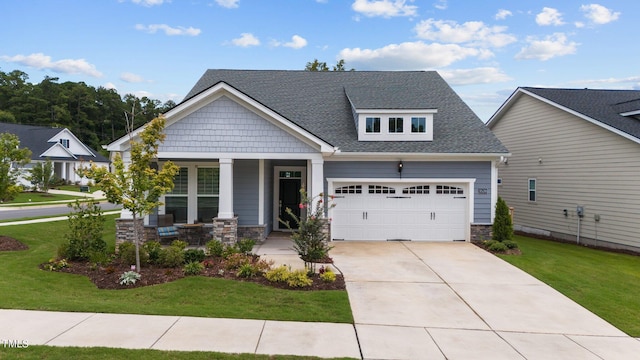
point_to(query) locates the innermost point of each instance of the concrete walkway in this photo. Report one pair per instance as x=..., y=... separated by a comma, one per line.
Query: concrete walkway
x=409, y=301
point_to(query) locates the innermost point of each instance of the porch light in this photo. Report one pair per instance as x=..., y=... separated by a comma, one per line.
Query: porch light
x=400, y=167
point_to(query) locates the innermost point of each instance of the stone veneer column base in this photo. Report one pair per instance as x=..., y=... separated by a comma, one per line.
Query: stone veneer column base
x=225, y=230
x=481, y=232
x=125, y=231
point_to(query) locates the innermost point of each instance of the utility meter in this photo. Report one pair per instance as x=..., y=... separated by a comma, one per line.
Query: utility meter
x=580, y=211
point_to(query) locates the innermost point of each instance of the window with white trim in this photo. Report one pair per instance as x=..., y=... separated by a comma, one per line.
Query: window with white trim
x=373, y=125
x=396, y=125
x=65, y=143
x=533, y=189
x=208, y=193
x=418, y=125
x=176, y=201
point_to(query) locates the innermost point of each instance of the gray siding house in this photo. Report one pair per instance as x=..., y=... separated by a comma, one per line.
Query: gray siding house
x=402, y=156
x=573, y=151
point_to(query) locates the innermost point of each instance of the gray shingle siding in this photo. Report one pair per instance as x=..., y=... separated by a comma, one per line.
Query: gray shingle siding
x=245, y=191
x=318, y=102
x=225, y=126
x=481, y=171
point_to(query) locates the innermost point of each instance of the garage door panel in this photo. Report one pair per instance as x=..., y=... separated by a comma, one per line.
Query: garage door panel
x=435, y=212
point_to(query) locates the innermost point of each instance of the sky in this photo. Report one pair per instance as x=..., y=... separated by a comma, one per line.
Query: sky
x=484, y=49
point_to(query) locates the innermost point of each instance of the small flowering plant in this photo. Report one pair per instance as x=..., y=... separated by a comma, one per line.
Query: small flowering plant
x=309, y=239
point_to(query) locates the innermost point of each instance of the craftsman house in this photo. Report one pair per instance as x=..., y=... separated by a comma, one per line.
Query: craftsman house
x=60, y=145
x=574, y=173
x=402, y=156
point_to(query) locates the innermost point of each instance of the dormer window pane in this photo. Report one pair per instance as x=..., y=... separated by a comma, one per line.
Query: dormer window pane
x=65, y=143
x=418, y=125
x=373, y=125
x=395, y=124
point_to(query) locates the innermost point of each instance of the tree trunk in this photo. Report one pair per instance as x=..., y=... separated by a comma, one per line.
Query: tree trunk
x=136, y=235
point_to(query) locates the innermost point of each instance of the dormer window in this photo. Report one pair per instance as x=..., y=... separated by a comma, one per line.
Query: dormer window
x=373, y=125
x=395, y=124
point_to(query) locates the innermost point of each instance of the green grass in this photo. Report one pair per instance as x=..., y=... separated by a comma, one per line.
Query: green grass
x=24, y=286
x=606, y=283
x=37, y=197
x=101, y=353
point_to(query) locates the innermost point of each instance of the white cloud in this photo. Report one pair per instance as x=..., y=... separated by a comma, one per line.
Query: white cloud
x=67, y=66
x=410, y=56
x=246, y=40
x=549, y=16
x=297, y=42
x=110, y=86
x=149, y=2
x=384, y=8
x=599, y=14
x=502, y=14
x=552, y=46
x=131, y=78
x=229, y=4
x=627, y=82
x=441, y=5
x=482, y=75
x=471, y=32
x=168, y=30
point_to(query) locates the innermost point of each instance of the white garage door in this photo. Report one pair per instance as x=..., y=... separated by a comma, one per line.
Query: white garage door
x=427, y=212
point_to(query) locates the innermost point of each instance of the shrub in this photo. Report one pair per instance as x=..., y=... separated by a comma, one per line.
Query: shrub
x=247, y=270
x=229, y=250
x=127, y=253
x=86, y=225
x=55, y=265
x=180, y=244
x=510, y=244
x=129, y=278
x=328, y=276
x=496, y=246
x=502, y=226
x=153, y=249
x=279, y=274
x=215, y=248
x=171, y=257
x=299, y=278
x=208, y=264
x=235, y=261
x=193, y=255
x=245, y=246
x=193, y=268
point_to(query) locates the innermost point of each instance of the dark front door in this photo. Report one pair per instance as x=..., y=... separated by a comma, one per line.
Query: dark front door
x=289, y=198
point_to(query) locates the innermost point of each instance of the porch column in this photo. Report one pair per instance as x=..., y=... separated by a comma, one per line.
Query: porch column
x=317, y=180
x=225, y=200
x=63, y=171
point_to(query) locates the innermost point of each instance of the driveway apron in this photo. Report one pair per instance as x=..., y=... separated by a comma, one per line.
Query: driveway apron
x=419, y=300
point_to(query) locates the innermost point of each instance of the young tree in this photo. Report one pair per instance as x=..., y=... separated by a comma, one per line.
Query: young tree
x=11, y=157
x=136, y=185
x=502, y=226
x=41, y=175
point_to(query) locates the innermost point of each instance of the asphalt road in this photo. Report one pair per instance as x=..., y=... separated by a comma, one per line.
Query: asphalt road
x=8, y=214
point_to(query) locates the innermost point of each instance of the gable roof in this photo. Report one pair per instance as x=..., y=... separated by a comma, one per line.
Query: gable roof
x=38, y=140
x=611, y=109
x=320, y=103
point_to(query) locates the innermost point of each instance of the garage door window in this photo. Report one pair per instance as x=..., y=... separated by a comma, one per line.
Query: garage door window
x=445, y=189
x=419, y=189
x=351, y=189
x=379, y=189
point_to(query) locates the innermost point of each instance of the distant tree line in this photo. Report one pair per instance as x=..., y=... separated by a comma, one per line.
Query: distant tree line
x=95, y=115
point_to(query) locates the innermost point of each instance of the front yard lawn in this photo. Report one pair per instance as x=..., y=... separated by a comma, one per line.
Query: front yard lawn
x=606, y=283
x=38, y=197
x=24, y=286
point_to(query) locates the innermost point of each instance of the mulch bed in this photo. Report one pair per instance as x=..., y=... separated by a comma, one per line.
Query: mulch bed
x=108, y=277
x=11, y=244
x=508, y=252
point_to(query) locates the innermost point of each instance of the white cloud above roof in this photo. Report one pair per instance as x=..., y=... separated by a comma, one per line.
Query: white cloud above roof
x=549, y=16
x=410, y=56
x=481, y=75
x=470, y=32
x=149, y=2
x=131, y=78
x=551, y=46
x=297, y=42
x=384, y=8
x=246, y=40
x=502, y=14
x=229, y=4
x=599, y=14
x=67, y=66
x=168, y=30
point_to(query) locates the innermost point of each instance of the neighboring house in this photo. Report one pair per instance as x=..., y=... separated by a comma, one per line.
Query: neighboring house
x=400, y=153
x=65, y=151
x=573, y=150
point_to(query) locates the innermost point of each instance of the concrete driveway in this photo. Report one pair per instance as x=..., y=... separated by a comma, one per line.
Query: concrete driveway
x=415, y=300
